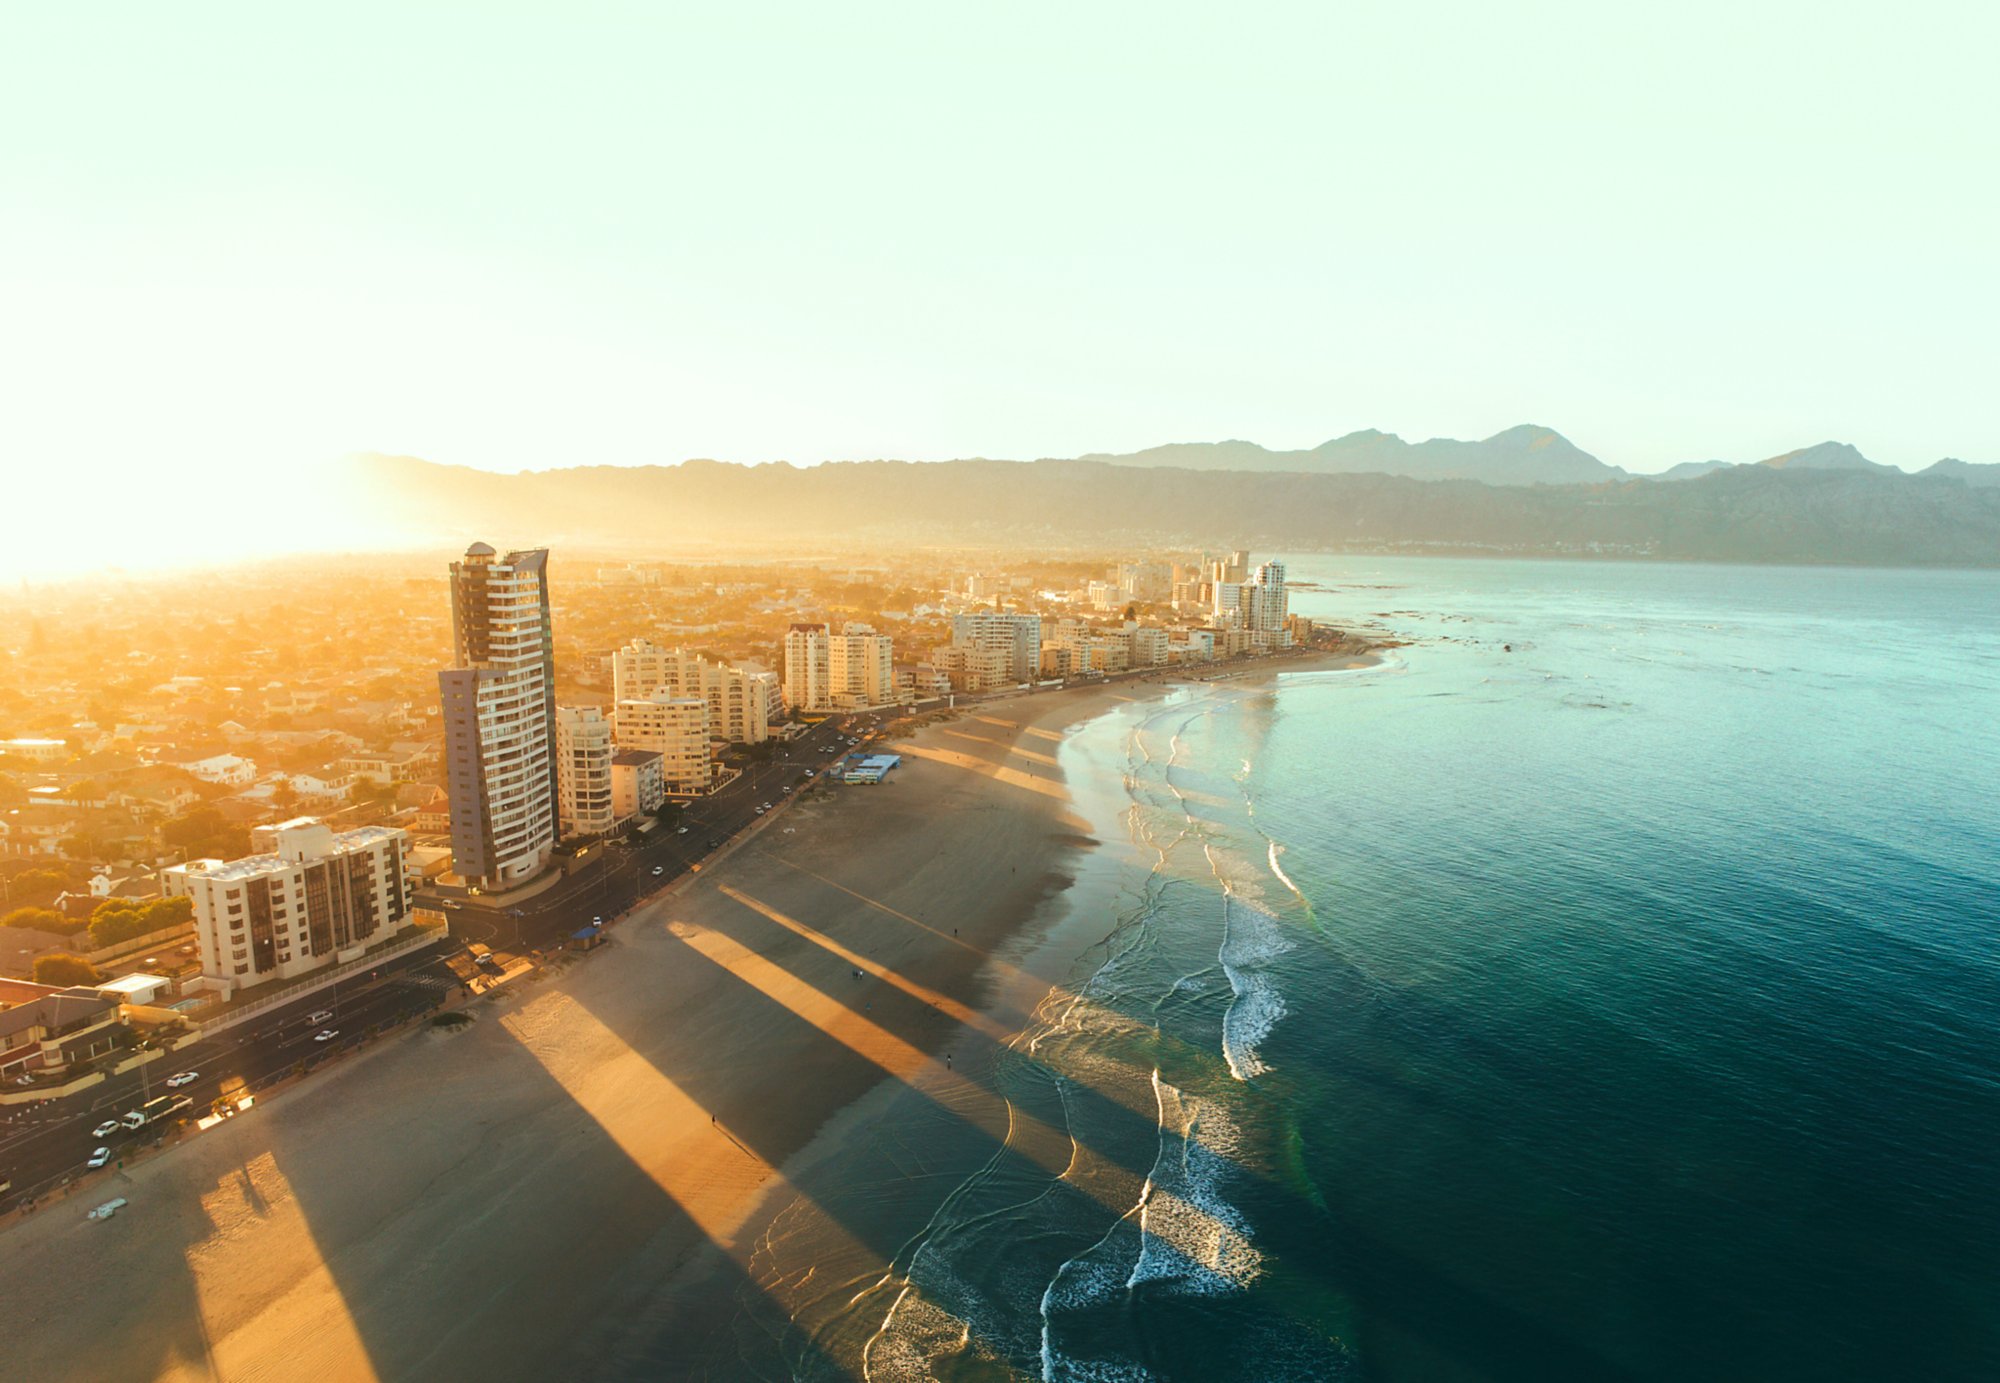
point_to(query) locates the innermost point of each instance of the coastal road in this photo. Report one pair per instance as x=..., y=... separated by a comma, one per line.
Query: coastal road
x=39, y=1147
x=42, y=1147
x=615, y=876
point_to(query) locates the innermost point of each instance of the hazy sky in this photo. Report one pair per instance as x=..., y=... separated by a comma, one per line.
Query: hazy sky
x=236, y=239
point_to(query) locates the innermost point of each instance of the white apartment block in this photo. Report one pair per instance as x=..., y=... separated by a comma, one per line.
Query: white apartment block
x=583, y=771
x=738, y=699
x=638, y=784
x=499, y=718
x=675, y=728
x=854, y=670
x=319, y=896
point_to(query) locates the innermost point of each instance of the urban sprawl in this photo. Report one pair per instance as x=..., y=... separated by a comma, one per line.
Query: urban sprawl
x=247, y=825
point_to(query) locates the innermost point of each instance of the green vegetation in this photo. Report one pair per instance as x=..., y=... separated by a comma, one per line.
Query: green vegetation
x=38, y=887
x=121, y=919
x=42, y=920
x=65, y=969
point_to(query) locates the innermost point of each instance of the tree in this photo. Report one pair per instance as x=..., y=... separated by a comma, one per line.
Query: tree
x=42, y=920
x=34, y=887
x=205, y=833
x=62, y=968
x=121, y=919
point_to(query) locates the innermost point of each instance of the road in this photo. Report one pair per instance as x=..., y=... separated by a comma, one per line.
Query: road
x=615, y=876
x=42, y=1148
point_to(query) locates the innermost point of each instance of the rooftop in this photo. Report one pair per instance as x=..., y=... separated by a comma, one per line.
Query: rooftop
x=250, y=866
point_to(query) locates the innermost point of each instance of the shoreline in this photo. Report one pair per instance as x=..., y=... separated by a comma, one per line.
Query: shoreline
x=538, y=1192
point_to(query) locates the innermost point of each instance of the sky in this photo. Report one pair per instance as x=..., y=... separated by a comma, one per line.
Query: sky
x=239, y=241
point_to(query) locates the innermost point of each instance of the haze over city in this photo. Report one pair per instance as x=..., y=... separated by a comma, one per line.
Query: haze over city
x=238, y=244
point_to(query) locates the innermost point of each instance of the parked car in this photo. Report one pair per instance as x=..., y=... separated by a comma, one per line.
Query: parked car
x=326, y=1034
x=99, y=1158
x=180, y=1078
x=106, y=1129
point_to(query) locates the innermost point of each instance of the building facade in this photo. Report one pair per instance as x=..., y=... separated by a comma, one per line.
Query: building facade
x=1019, y=635
x=738, y=699
x=499, y=718
x=638, y=784
x=316, y=896
x=673, y=727
x=583, y=771
x=849, y=671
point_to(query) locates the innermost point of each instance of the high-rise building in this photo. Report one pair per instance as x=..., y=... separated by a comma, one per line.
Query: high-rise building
x=1265, y=603
x=738, y=699
x=583, y=771
x=675, y=728
x=1019, y=635
x=499, y=702
x=849, y=671
x=315, y=897
x=806, y=654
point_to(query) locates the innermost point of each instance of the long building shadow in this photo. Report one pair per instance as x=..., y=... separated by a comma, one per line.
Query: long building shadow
x=475, y=1218
x=834, y=1051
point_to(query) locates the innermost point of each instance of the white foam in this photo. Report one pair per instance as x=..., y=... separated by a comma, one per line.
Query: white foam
x=1251, y=939
x=1283, y=878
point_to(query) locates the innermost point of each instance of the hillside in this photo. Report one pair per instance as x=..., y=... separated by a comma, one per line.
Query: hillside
x=1525, y=455
x=1739, y=514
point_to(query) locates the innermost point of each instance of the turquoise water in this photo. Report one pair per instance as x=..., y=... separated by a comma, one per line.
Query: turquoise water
x=1624, y=1003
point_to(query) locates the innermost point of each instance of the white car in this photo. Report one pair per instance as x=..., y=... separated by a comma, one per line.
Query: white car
x=658, y=870
x=183, y=1078
x=99, y=1158
x=106, y=1129
x=313, y=1020
x=762, y=810
x=326, y=1035
x=680, y=830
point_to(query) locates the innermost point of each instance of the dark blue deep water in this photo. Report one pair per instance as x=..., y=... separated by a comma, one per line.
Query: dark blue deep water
x=1624, y=1003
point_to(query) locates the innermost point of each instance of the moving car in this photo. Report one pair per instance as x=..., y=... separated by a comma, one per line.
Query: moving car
x=313, y=1020
x=658, y=870
x=99, y=1158
x=326, y=1035
x=106, y=1129
x=181, y=1078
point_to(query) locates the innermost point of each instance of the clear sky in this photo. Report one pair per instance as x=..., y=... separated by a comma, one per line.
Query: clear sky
x=235, y=240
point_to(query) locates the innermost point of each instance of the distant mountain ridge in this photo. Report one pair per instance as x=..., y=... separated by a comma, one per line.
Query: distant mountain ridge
x=1524, y=455
x=1792, y=513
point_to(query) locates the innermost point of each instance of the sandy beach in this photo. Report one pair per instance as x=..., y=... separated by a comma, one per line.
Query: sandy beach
x=584, y=1182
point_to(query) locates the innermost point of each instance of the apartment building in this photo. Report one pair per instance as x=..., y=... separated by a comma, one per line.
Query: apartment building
x=638, y=783
x=1020, y=635
x=317, y=896
x=673, y=727
x=499, y=718
x=852, y=670
x=738, y=698
x=583, y=771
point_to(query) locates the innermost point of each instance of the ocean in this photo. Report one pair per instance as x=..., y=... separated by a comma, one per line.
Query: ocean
x=1607, y=985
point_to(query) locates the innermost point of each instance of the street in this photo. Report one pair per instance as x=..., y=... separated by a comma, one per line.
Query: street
x=43, y=1147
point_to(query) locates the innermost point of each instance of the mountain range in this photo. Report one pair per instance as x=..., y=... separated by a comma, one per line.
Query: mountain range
x=1812, y=506
x=1524, y=455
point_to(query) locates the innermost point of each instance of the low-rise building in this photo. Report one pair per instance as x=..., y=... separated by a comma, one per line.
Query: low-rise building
x=638, y=783
x=57, y=1029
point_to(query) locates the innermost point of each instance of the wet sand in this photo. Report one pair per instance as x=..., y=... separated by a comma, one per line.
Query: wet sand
x=581, y=1183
